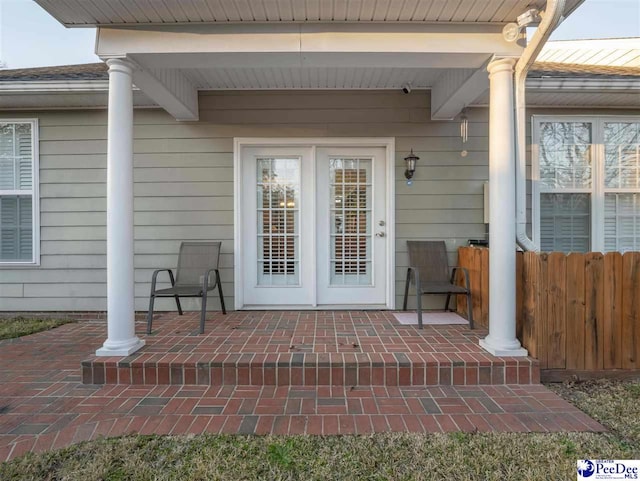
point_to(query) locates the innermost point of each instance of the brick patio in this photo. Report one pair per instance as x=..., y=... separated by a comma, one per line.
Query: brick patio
x=326, y=348
x=44, y=405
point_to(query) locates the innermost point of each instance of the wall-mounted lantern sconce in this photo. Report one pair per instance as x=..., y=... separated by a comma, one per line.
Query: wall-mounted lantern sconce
x=410, y=160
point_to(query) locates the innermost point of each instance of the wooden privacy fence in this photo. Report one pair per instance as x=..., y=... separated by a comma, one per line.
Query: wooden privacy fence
x=577, y=312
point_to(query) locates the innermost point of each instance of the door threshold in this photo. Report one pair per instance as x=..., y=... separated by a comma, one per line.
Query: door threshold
x=324, y=307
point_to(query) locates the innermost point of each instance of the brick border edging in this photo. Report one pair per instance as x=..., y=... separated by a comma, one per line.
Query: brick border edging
x=257, y=370
x=312, y=424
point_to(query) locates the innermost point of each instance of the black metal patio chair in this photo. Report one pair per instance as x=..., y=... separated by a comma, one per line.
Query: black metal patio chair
x=196, y=262
x=431, y=275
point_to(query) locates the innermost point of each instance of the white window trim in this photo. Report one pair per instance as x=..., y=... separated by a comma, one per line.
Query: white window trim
x=597, y=190
x=35, y=193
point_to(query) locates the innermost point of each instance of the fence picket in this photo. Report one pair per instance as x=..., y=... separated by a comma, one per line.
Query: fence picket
x=594, y=307
x=530, y=274
x=630, y=309
x=543, y=312
x=484, y=287
x=474, y=275
x=612, y=325
x=519, y=294
x=464, y=260
x=575, y=311
x=557, y=335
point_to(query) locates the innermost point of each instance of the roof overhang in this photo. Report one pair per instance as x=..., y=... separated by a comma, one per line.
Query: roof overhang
x=541, y=92
x=574, y=93
x=179, y=47
x=87, y=13
x=448, y=59
x=59, y=94
x=584, y=84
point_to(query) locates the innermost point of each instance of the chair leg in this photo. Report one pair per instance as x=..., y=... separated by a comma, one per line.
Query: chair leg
x=419, y=306
x=224, y=311
x=203, y=313
x=406, y=290
x=446, y=303
x=178, y=304
x=152, y=298
x=470, y=310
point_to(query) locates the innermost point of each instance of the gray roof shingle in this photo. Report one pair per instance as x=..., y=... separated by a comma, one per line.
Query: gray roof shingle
x=89, y=71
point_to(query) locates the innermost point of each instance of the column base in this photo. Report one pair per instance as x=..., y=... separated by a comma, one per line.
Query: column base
x=120, y=349
x=503, y=349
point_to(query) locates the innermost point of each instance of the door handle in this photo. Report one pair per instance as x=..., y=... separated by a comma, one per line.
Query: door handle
x=379, y=234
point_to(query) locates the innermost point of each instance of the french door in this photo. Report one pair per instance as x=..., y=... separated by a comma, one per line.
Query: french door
x=314, y=227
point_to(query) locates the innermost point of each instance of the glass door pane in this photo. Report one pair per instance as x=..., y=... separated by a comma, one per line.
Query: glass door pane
x=278, y=204
x=350, y=221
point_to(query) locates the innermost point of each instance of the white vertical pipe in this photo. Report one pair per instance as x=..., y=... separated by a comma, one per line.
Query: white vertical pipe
x=121, y=337
x=501, y=340
x=551, y=18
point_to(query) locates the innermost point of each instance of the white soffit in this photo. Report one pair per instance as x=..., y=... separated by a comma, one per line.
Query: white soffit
x=610, y=52
x=115, y=12
x=311, y=78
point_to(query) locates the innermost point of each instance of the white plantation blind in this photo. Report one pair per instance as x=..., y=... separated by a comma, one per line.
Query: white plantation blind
x=18, y=201
x=622, y=222
x=588, y=184
x=16, y=234
x=565, y=222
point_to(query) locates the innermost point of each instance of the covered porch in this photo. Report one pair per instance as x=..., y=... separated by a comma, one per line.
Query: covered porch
x=166, y=64
x=457, y=53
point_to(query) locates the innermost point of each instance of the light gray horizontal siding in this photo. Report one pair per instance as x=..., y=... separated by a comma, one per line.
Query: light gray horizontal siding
x=183, y=175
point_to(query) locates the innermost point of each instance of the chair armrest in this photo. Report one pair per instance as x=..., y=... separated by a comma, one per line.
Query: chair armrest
x=205, y=281
x=154, y=278
x=416, y=277
x=465, y=272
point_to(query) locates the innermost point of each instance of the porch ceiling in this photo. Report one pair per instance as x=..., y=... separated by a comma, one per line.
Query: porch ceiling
x=312, y=78
x=111, y=12
x=173, y=62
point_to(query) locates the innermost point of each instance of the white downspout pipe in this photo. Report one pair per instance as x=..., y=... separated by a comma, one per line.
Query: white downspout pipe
x=551, y=18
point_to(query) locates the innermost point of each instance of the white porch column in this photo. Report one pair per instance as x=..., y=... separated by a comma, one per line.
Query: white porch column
x=121, y=337
x=502, y=340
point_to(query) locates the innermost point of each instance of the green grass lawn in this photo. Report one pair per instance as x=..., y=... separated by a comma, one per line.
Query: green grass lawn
x=22, y=326
x=456, y=456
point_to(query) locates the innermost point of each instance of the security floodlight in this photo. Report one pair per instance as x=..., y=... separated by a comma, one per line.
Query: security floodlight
x=529, y=18
x=511, y=31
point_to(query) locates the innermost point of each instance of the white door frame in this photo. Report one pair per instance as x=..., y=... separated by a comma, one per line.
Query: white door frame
x=388, y=143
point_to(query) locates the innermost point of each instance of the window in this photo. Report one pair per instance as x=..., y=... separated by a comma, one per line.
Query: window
x=19, y=192
x=586, y=183
x=278, y=184
x=350, y=210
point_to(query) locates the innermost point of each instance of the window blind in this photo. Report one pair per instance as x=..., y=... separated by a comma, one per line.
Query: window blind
x=16, y=192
